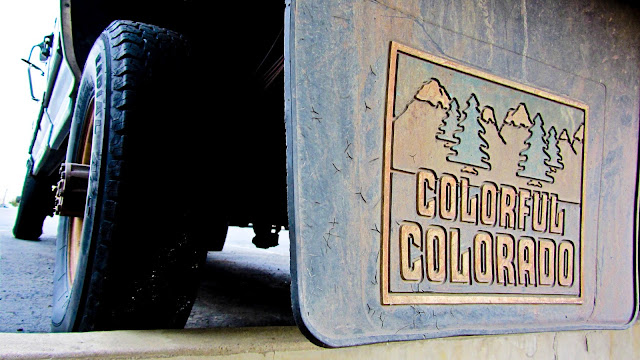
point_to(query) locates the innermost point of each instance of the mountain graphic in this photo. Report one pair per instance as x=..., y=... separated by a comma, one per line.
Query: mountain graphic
x=435, y=131
x=434, y=93
x=488, y=116
x=416, y=129
x=518, y=117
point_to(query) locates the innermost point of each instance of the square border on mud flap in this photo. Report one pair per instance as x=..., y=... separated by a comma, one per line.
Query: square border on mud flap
x=427, y=297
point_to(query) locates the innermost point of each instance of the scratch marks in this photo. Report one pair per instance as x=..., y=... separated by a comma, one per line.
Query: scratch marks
x=586, y=343
x=327, y=236
x=371, y=312
x=348, y=146
x=525, y=46
x=330, y=233
x=315, y=115
x=326, y=239
x=346, y=151
x=375, y=275
x=359, y=193
x=489, y=27
x=398, y=13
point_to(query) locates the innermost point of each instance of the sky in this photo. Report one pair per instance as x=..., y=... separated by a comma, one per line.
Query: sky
x=23, y=24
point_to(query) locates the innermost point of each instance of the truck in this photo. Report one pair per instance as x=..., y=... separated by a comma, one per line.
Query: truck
x=124, y=139
x=443, y=168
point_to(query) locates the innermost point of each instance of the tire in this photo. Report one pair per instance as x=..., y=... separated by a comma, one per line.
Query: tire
x=36, y=203
x=133, y=261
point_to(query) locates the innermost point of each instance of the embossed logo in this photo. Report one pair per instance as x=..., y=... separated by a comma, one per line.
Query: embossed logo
x=482, y=187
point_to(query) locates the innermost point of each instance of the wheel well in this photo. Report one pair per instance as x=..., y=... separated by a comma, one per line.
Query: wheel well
x=90, y=18
x=202, y=19
x=240, y=59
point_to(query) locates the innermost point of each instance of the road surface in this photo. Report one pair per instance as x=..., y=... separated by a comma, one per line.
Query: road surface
x=242, y=285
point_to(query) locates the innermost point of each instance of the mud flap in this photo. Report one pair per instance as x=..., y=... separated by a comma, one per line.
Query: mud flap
x=460, y=168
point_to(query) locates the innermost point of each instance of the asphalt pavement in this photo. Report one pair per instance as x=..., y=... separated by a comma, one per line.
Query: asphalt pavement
x=26, y=277
x=242, y=285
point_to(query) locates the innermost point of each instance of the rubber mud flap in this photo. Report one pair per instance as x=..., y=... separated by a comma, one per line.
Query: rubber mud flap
x=461, y=169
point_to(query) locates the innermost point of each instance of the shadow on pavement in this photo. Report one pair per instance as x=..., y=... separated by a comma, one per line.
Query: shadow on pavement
x=244, y=286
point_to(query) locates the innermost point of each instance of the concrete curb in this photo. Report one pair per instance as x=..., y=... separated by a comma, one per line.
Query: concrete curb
x=289, y=343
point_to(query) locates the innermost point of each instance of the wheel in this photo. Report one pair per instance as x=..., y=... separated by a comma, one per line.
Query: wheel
x=133, y=260
x=36, y=203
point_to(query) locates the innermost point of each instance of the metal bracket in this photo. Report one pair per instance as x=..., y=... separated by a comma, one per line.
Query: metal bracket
x=266, y=235
x=71, y=191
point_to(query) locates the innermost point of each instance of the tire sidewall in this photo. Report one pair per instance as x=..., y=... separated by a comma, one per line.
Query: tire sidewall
x=131, y=272
x=69, y=298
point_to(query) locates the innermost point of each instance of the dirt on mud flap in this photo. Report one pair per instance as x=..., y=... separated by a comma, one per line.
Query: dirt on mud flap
x=460, y=168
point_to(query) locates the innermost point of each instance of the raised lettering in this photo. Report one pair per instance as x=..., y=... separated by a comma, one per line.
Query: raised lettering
x=526, y=261
x=539, y=211
x=459, y=262
x=507, y=207
x=488, y=203
x=556, y=220
x=436, y=254
x=483, y=257
x=523, y=208
x=410, y=236
x=565, y=263
x=546, y=262
x=468, y=207
x=506, y=269
x=448, y=197
x=426, y=181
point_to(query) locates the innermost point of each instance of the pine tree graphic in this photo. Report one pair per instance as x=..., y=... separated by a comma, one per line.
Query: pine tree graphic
x=450, y=123
x=553, y=150
x=471, y=145
x=533, y=166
